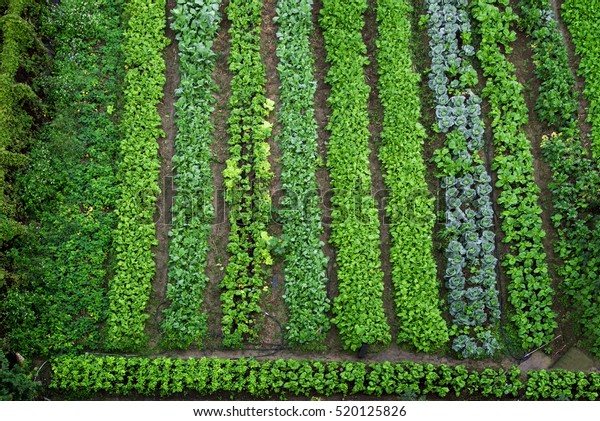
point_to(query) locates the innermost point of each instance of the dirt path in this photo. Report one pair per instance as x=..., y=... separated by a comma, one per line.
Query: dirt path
x=218, y=238
x=322, y=113
x=165, y=199
x=273, y=301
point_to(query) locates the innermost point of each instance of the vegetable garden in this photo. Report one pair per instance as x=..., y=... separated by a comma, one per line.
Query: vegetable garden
x=412, y=182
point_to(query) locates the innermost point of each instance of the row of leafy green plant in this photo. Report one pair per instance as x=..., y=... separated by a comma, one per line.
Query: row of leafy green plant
x=530, y=292
x=246, y=178
x=471, y=263
x=19, y=109
x=409, y=203
x=83, y=376
x=358, y=308
x=138, y=171
x=69, y=189
x=575, y=184
x=305, y=261
x=185, y=322
x=582, y=17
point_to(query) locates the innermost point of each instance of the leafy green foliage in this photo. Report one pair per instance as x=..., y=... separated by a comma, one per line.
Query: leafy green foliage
x=581, y=17
x=305, y=262
x=185, y=322
x=15, y=382
x=20, y=108
x=409, y=206
x=471, y=263
x=530, y=289
x=557, y=101
x=358, y=308
x=576, y=179
x=137, y=174
x=562, y=385
x=58, y=302
x=246, y=177
x=85, y=375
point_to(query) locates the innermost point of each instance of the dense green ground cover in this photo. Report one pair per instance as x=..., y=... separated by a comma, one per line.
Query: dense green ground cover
x=582, y=17
x=69, y=189
x=21, y=59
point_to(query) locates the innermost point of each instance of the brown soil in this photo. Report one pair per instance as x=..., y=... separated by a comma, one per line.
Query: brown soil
x=162, y=218
x=379, y=189
x=393, y=354
x=218, y=238
x=273, y=301
x=322, y=113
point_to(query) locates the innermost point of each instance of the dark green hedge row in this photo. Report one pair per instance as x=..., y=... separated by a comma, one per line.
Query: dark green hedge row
x=20, y=107
x=69, y=190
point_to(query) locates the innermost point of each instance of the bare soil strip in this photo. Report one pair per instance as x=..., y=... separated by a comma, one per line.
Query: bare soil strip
x=273, y=301
x=218, y=238
x=164, y=202
x=322, y=113
x=379, y=189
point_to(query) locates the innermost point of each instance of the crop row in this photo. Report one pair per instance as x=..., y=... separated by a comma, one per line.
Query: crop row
x=576, y=179
x=246, y=177
x=70, y=189
x=305, y=262
x=471, y=264
x=530, y=289
x=582, y=17
x=84, y=376
x=409, y=206
x=138, y=171
x=185, y=321
x=358, y=308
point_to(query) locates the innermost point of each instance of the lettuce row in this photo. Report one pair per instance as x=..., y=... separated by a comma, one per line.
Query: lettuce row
x=305, y=261
x=185, y=322
x=358, y=308
x=582, y=17
x=138, y=172
x=409, y=206
x=530, y=287
x=471, y=264
x=575, y=184
x=87, y=376
x=246, y=177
